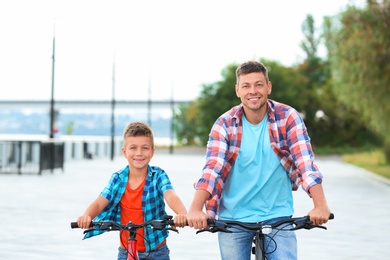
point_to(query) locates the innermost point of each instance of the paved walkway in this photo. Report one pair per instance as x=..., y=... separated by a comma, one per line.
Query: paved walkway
x=36, y=211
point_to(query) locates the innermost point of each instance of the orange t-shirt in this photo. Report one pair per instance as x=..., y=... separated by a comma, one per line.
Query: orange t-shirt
x=131, y=210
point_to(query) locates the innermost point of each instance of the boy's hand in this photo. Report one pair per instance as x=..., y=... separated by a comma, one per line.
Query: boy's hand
x=180, y=220
x=84, y=221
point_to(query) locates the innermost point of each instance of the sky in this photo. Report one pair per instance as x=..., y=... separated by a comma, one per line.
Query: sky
x=167, y=49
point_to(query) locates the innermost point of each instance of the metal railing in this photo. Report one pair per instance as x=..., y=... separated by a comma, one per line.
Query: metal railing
x=21, y=156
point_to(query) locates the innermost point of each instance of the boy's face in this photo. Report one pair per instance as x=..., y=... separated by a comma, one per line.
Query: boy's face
x=138, y=151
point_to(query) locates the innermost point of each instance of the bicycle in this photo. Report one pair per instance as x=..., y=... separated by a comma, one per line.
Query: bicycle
x=262, y=230
x=132, y=253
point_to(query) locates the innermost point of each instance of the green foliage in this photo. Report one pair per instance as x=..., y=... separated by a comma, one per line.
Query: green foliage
x=288, y=85
x=360, y=60
x=316, y=74
x=215, y=99
x=373, y=160
x=343, y=99
x=324, y=114
x=311, y=41
x=70, y=128
x=186, y=124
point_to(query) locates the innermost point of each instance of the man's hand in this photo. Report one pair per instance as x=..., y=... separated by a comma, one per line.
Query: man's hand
x=319, y=215
x=197, y=219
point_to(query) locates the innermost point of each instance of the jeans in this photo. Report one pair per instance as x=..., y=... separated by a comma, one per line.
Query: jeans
x=161, y=253
x=238, y=245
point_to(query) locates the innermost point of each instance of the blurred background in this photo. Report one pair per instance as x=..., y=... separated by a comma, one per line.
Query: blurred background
x=75, y=71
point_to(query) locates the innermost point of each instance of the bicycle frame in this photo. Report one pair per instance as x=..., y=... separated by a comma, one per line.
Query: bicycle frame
x=259, y=243
x=132, y=252
x=258, y=249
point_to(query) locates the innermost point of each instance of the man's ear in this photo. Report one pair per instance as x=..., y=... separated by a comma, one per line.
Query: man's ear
x=269, y=87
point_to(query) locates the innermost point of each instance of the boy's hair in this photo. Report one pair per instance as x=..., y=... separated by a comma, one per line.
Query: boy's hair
x=138, y=129
x=251, y=66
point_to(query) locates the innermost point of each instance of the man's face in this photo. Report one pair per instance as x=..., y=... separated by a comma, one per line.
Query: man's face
x=253, y=90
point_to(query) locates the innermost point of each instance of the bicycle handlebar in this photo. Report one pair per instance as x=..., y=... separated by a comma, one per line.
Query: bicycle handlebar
x=166, y=223
x=298, y=223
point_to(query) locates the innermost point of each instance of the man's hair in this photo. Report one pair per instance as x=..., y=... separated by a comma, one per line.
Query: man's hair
x=251, y=66
x=138, y=129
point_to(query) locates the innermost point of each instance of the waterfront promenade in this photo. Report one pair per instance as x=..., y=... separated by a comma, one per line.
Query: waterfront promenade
x=36, y=211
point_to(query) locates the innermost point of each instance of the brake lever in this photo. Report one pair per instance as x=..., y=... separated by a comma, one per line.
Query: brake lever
x=317, y=226
x=88, y=230
x=307, y=224
x=160, y=225
x=99, y=226
x=173, y=229
x=216, y=228
x=211, y=230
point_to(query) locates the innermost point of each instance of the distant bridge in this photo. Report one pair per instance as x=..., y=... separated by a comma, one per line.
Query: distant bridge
x=69, y=104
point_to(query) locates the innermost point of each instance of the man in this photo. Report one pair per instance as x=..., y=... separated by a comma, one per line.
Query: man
x=257, y=153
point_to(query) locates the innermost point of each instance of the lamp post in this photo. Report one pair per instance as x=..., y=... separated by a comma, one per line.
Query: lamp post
x=149, y=104
x=52, y=114
x=171, y=130
x=113, y=111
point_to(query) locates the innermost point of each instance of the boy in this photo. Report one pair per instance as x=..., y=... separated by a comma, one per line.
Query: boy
x=136, y=193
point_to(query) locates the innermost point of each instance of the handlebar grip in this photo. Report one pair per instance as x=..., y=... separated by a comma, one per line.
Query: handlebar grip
x=74, y=225
x=210, y=221
x=331, y=216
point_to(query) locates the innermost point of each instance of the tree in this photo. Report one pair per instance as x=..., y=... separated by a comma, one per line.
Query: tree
x=215, y=99
x=186, y=124
x=316, y=72
x=359, y=51
x=288, y=84
x=70, y=127
x=324, y=114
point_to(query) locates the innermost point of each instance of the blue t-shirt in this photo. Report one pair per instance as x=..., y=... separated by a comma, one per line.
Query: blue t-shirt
x=258, y=187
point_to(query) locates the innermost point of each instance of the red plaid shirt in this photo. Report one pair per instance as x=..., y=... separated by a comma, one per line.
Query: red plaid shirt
x=289, y=140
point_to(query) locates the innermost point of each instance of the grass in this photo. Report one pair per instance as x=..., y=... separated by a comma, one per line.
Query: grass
x=373, y=161
x=370, y=158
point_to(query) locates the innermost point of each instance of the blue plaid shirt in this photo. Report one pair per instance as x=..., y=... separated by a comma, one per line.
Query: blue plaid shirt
x=153, y=205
